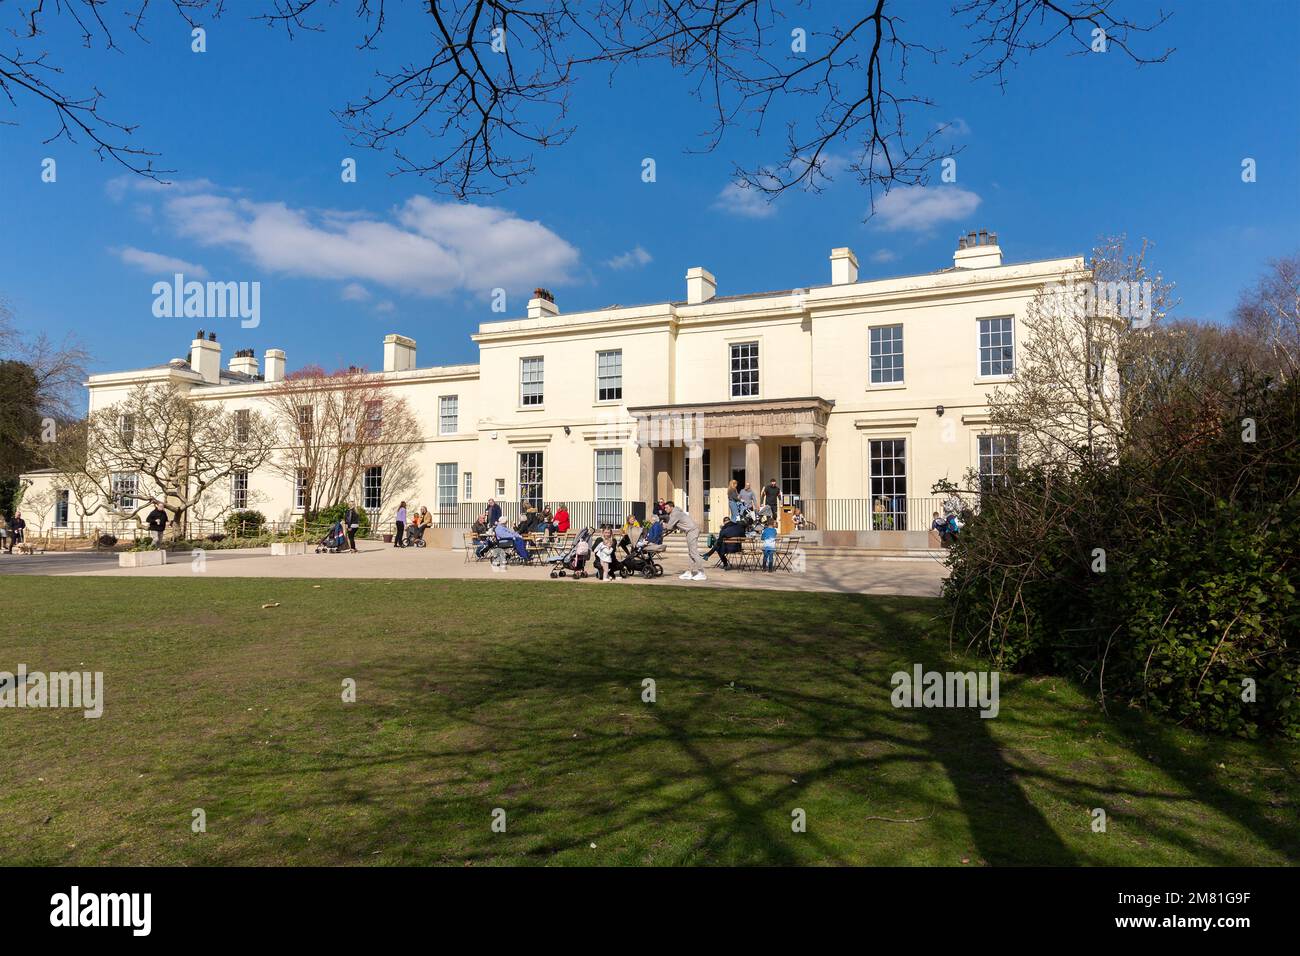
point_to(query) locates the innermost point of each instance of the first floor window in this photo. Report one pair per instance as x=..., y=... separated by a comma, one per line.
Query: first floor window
x=124, y=488
x=531, y=376
x=126, y=427
x=530, y=479
x=301, y=490
x=61, y=509
x=998, y=456
x=997, y=350
x=372, y=488
x=889, y=484
x=448, y=414
x=791, y=469
x=744, y=370
x=609, y=486
x=305, y=430
x=374, y=425
x=241, y=425
x=609, y=376
x=448, y=485
x=886, y=354
x=469, y=486
x=239, y=490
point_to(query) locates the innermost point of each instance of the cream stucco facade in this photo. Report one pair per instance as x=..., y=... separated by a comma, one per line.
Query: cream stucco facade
x=764, y=385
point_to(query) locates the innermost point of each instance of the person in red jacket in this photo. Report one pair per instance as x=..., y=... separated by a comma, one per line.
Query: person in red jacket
x=561, y=519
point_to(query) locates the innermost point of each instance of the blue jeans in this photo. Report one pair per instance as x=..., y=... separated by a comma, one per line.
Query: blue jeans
x=769, y=555
x=733, y=508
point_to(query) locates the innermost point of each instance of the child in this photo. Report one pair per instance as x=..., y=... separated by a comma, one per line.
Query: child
x=769, y=547
x=604, y=553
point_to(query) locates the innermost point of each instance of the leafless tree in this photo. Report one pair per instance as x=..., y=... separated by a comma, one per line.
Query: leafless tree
x=172, y=447
x=333, y=427
x=1270, y=315
x=494, y=86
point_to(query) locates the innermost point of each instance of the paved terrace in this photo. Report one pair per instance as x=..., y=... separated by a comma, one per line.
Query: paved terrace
x=855, y=574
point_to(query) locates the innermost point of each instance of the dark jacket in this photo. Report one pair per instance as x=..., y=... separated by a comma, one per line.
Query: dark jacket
x=493, y=513
x=157, y=520
x=350, y=518
x=772, y=497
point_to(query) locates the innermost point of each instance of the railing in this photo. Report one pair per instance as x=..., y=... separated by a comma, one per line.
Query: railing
x=881, y=513
x=581, y=513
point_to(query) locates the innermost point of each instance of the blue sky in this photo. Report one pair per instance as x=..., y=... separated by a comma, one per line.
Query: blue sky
x=1075, y=148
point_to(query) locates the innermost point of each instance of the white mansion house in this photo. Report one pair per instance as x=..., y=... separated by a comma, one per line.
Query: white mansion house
x=863, y=391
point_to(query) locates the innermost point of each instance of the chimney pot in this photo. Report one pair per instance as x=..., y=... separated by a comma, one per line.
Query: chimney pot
x=844, y=266
x=978, y=250
x=399, y=353
x=274, y=365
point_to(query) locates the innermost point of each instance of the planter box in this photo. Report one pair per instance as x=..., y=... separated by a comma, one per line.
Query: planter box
x=289, y=547
x=141, y=559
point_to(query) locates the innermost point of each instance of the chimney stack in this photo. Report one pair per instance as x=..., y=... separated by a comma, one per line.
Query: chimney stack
x=700, y=285
x=274, y=365
x=245, y=362
x=977, y=250
x=205, y=358
x=399, y=353
x=542, y=305
x=844, y=266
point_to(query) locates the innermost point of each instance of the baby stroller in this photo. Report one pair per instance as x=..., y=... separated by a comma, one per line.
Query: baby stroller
x=574, y=561
x=415, y=536
x=640, y=558
x=334, y=540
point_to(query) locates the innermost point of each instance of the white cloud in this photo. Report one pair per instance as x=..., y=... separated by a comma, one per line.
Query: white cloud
x=884, y=255
x=953, y=127
x=157, y=263
x=921, y=207
x=739, y=199
x=423, y=246
x=629, y=259
x=355, y=292
x=385, y=307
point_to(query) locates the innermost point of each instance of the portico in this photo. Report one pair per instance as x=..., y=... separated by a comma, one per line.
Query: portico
x=742, y=439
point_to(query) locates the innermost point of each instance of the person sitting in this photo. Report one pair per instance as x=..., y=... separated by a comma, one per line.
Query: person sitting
x=728, y=542
x=525, y=523
x=562, y=519
x=797, y=518
x=505, y=533
x=631, y=530
x=481, y=525
x=546, y=523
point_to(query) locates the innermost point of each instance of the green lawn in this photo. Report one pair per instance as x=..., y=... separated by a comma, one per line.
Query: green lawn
x=767, y=701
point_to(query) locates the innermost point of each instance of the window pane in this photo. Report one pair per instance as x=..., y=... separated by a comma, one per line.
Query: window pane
x=469, y=486
x=609, y=375
x=886, y=354
x=448, y=485
x=372, y=489
x=996, y=347
x=531, y=373
x=998, y=456
x=889, y=484
x=744, y=370
x=448, y=414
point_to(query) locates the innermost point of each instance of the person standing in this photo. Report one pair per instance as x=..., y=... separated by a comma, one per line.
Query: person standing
x=772, y=500
x=748, y=499
x=17, y=530
x=733, y=500
x=157, y=523
x=398, y=539
x=493, y=512
x=351, y=521
x=676, y=519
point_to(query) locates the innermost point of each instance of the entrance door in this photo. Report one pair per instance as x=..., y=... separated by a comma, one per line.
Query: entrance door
x=737, y=472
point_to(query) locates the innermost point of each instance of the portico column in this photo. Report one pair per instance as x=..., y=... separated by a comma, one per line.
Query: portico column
x=695, y=479
x=807, y=468
x=647, y=492
x=751, y=462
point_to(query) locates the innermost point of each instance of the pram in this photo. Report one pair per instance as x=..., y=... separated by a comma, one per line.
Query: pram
x=574, y=560
x=640, y=558
x=415, y=536
x=334, y=541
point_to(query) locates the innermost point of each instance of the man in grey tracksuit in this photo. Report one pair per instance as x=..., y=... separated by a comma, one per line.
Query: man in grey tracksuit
x=677, y=519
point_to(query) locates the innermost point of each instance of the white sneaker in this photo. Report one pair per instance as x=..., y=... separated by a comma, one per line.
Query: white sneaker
x=685, y=575
x=698, y=576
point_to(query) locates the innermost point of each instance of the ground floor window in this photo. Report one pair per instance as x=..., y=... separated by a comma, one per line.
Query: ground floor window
x=530, y=479
x=448, y=485
x=791, y=470
x=889, y=484
x=998, y=455
x=501, y=488
x=469, y=486
x=372, y=489
x=301, y=490
x=609, y=486
x=61, y=509
x=239, y=490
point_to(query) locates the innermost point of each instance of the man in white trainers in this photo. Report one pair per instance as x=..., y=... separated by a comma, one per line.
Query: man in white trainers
x=676, y=519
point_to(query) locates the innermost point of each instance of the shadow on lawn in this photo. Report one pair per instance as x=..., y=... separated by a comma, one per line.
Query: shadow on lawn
x=551, y=726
